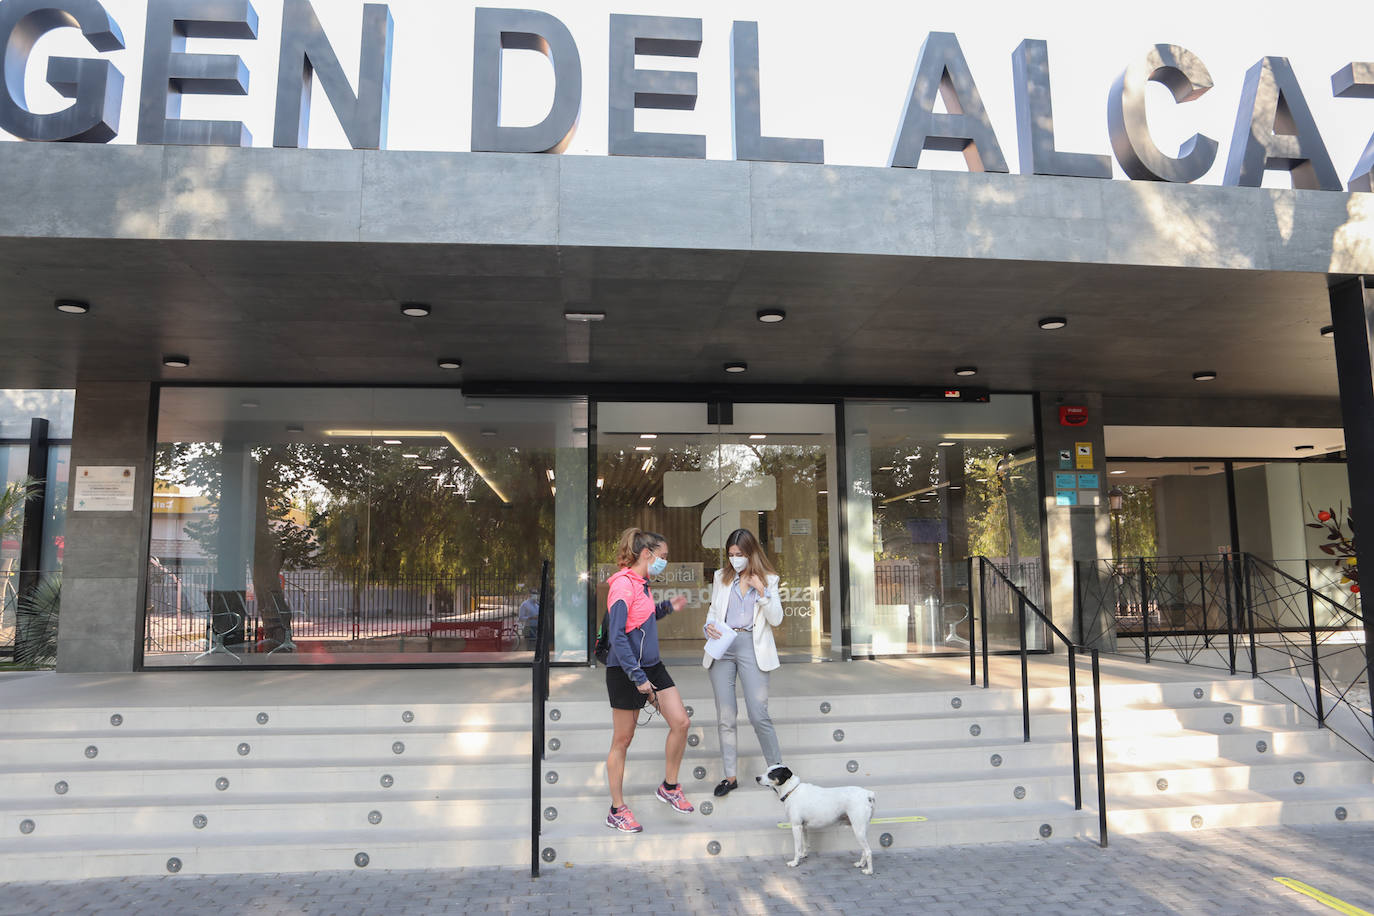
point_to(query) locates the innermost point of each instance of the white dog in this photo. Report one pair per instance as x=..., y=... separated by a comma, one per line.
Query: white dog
x=815, y=806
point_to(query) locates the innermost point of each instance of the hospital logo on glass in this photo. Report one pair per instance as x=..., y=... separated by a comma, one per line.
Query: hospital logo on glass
x=722, y=501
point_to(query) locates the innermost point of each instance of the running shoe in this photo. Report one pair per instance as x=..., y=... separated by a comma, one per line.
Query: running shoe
x=621, y=819
x=676, y=798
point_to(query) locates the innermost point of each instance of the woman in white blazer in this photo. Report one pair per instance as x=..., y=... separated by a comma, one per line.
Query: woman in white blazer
x=744, y=598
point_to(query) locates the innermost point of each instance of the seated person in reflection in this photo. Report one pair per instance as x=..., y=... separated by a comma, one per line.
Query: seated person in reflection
x=744, y=598
x=529, y=615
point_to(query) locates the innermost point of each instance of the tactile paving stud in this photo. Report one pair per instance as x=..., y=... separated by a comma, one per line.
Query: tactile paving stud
x=222, y=783
x=690, y=712
x=1019, y=792
x=91, y=751
x=1261, y=746
x=244, y=749
x=1197, y=693
x=707, y=807
x=374, y=817
x=398, y=747
x=852, y=766
x=1299, y=777
x=61, y=787
x=838, y=734
x=996, y=760
x=388, y=780
x=1340, y=814
x=27, y=826
x=956, y=702
x=825, y=707
x=975, y=730
x=693, y=740
x=551, y=813
x=174, y=865
x=1229, y=718
x=116, y=720
x=885, y=840
x=361, y=860
x=555, y=744
x=713, y=848
x=1046, y=831
x=1162, y=784
x=199, y=821
x=548, y=854
x=555, y=715
x=407, y=717
x=262, y=718
x=699, y=772
x=551, y=777
x=1196, y=821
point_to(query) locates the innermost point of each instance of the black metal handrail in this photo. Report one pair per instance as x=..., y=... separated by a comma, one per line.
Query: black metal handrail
x=1022, y=602
x=539, y=696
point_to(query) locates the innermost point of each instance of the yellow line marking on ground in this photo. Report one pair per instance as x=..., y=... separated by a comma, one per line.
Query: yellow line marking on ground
x=1335, y=903
x=909, y=819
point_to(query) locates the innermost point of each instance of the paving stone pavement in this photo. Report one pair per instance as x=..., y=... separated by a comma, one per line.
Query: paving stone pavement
x=1216, y=873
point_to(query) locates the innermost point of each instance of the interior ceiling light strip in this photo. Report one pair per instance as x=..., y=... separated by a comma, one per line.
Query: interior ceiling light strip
x=429, y=434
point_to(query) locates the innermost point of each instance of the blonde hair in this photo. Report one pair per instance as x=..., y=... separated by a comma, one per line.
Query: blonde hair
x=749, y=545
x=632, y=543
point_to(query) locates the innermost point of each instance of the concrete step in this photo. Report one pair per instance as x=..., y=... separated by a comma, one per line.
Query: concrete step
x=100, y=721
x=1294, y=805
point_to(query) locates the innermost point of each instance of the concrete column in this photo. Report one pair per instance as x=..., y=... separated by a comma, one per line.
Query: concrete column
x=104, y=581
x=1080, y=532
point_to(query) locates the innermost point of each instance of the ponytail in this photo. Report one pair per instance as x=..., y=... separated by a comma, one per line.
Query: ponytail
x=632, y=543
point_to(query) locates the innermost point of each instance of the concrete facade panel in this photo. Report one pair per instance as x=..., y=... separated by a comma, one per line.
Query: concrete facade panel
x=69, y=190
x=869, y=211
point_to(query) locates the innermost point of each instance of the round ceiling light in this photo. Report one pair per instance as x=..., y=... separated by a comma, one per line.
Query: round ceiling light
x=1207, y=375
x=1304, y=448
x=771, y=316
x=1328, y=330
x=72, y=306
x=1053, y=323
x=414, y=309
x=966, y=371
x=448, y=363
x=736, y=367
x=176, y=362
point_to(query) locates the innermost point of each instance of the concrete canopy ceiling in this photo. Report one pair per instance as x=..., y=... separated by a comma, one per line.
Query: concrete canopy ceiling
x=264, y=312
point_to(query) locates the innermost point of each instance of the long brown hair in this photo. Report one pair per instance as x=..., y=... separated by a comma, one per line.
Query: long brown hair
x=632, y=544
x=759, y=566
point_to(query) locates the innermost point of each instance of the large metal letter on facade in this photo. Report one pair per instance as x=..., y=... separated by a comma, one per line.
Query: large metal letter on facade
x=1035, y=120
x=966, y=129
x=1356, y=81
x=1275, y=130
x=306, y=51
x=672, y=90
x=750, y=144
x=168, y=71
x=1183, y=73
x=496, y=30
x=95, y=85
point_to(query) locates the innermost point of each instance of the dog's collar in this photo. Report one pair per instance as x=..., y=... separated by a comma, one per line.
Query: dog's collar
x=783, y=798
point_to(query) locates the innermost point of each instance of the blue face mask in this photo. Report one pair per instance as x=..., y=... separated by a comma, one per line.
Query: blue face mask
x=657, y=565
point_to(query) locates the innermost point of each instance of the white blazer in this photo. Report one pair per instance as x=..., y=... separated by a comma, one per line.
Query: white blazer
x=767, y=614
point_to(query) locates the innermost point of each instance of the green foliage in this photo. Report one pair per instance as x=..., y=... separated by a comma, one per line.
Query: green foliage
x=12, y=502
x=35, y=644
x=1134, y=527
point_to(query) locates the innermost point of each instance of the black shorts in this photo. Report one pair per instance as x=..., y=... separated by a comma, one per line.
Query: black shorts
x=623, y=692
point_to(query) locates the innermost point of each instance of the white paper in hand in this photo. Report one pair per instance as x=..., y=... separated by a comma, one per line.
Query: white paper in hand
x=716, y=647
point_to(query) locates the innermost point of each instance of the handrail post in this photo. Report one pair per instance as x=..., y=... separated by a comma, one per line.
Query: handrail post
x=1073, y=730
x=1025, y=674
x=983, y=615
x=539, y=694
x=1202, y=599
x=1078, y=603
x=1230, y=616
x=1101, y=765
x=1145, y=608
x=1316, y=664
x=972, y=646
x=1250, y=615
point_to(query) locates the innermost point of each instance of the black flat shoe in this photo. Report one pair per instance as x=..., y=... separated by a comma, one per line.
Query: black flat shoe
x=725, y=788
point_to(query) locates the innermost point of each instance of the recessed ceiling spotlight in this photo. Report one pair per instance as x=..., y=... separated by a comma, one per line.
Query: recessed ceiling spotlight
x=644, y=448
x=391, y=442
x=250, y=403
x=1328, y=330
x=966, y=371
x=1207, y=375
x=1303, y=448
x=1118, y=471
x=1053, y=323
x=72, y=306
x=770, y=316
x=411, y=455
x=1205, y=467
x=584, y=316
x=424, y=467
x=886, y=467
x=414, y=309
x=295, y=427
x=758, y=435
x=176, y=362
x=648, y=435
x=736, y=367
x=450, y=363
x=474, y=405
x=900, y=409
x=489, y=433
x=946, y=443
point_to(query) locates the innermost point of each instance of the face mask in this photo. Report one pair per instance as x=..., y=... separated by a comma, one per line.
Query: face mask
x=657, y=565
x=739, y=563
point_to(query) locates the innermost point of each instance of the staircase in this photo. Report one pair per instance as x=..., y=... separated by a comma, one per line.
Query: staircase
x=88, y=792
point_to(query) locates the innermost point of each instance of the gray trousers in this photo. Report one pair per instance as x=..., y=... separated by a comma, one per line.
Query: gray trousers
x=739, y=660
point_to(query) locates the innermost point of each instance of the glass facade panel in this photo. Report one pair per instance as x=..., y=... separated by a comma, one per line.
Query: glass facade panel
x=930, y=484
x=363, y=526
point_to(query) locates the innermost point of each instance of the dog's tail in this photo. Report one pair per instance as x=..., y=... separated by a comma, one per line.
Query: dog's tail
x=872, y=805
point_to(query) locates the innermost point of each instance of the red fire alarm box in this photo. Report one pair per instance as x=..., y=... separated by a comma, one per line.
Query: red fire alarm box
x=1073, y=416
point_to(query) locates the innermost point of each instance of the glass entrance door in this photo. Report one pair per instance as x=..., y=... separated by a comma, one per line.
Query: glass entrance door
x=695, y=476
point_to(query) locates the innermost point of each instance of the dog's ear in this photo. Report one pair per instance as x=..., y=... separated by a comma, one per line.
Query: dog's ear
x=779, y=775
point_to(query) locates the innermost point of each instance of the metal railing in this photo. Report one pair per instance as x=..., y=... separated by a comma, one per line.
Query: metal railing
x=539, y=696
x=994, y=586
x=1237, y=611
